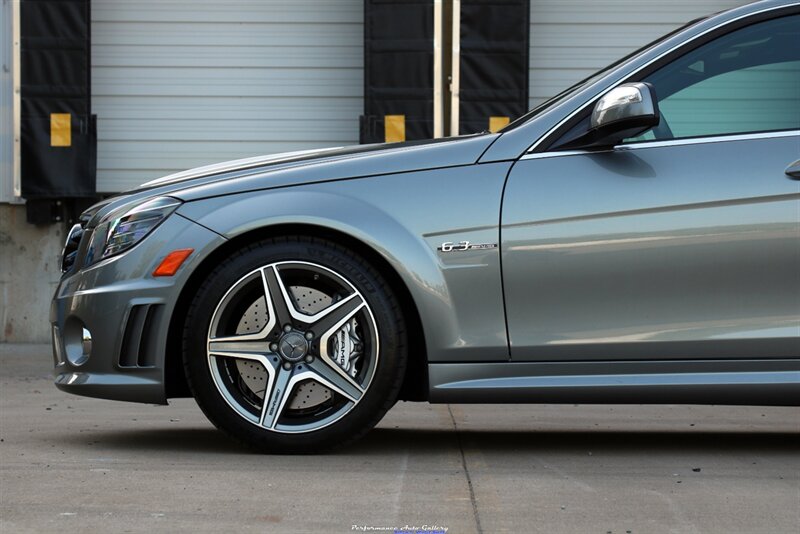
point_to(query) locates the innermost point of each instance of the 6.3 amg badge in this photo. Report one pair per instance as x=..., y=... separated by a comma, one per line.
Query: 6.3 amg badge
x=463, y=246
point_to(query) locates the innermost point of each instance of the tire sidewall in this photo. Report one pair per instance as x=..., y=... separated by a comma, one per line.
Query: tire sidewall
x=383, y=389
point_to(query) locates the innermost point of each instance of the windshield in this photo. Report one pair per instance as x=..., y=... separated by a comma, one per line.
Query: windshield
x=566, y=93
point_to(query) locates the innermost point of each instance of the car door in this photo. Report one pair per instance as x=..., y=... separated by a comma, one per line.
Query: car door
x=681, y=244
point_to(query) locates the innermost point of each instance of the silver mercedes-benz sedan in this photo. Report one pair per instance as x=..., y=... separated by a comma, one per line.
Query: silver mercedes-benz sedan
x=635, y=239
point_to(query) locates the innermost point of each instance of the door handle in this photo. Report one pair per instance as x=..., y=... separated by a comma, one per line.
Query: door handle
x=793, y=170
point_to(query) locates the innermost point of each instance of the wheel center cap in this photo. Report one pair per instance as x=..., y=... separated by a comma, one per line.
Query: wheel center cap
x=293, y=347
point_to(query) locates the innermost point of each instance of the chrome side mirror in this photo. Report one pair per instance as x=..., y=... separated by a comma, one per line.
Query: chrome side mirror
x=628, y=105
x=625, y=111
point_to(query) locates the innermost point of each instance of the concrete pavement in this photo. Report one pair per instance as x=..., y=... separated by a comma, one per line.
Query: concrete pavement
x=84, y=465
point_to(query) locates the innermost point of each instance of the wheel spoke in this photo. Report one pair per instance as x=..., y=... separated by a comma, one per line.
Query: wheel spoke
x=334, y=377
x=333, y=317
x=253, y=336
x=232, y=345
x=278, y=388
x=278, y=299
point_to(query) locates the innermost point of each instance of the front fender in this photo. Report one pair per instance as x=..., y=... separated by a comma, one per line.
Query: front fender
x=458, y=298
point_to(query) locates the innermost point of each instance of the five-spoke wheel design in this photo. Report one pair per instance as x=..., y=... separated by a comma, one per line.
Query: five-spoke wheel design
x=292, y=347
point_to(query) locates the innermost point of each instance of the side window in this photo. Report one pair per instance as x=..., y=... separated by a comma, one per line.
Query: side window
x=745, y=81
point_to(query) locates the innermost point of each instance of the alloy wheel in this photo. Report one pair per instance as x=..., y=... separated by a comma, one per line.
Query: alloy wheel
x=292, y=347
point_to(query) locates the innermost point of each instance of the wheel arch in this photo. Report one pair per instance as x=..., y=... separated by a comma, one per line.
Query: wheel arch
x=415, y=381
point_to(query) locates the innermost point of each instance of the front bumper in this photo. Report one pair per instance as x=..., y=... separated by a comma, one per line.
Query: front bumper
x=127, y=312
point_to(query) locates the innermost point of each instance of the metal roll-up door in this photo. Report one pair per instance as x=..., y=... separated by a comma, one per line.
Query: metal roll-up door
x=570, y=39
x=189, y=82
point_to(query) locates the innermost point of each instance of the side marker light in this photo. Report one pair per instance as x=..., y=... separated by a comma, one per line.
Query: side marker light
x=170, y=265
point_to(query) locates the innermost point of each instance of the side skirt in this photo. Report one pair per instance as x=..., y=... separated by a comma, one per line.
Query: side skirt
x=734, y=382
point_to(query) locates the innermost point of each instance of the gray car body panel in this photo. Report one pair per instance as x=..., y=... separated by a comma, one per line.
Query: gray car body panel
x=766, y=382
x=664, y=250
x=458, y=296
x=101, y=298
x=405, y=200
x=285, y=170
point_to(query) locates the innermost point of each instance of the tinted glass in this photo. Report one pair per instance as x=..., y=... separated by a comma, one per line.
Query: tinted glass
x=746, y=81
x=571, y=90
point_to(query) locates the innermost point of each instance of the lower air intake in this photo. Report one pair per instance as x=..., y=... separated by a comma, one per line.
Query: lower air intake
x=139, y=343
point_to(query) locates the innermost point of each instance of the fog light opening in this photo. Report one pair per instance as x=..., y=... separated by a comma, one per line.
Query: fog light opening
x=77, y=342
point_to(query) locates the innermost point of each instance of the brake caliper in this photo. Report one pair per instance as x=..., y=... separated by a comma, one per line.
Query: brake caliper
x=347, y=347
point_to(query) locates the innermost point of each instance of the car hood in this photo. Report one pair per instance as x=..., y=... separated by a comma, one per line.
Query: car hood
x=299, y=168
x=361, y=160
x=258, y=162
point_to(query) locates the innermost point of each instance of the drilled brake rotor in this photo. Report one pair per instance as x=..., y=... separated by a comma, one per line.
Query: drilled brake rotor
x=310, y=393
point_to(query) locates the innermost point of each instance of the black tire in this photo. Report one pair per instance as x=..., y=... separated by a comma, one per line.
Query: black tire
x=387, y=373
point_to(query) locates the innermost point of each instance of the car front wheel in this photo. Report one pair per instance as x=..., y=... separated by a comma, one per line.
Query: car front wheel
x=295, y=345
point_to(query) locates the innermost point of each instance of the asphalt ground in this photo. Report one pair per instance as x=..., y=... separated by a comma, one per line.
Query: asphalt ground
x=74, y=464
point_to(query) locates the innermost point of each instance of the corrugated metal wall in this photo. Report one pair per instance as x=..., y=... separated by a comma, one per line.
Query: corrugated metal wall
x=570, y=39
x=181, y=83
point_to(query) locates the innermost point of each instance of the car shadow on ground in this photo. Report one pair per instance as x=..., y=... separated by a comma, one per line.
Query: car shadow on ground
x=389, y=440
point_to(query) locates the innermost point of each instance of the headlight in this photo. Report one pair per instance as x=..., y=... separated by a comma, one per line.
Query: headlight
x=119, y=232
